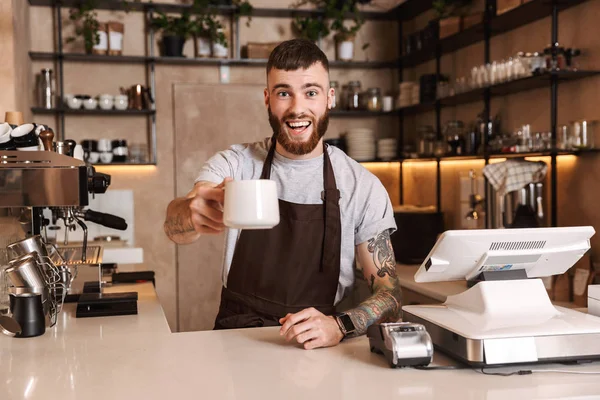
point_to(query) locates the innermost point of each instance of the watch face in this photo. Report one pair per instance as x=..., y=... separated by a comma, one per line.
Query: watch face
x=347, y=322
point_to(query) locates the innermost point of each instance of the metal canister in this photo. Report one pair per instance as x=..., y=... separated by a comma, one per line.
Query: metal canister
x=45, y=87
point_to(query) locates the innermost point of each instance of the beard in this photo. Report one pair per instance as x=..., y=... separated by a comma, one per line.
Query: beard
x=298, y=147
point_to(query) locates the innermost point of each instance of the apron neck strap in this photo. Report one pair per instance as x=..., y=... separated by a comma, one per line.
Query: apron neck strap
x=328, y=176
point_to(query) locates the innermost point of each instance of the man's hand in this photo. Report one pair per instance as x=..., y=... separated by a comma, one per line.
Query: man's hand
x=206, y=206
x=200, y=212
x=311, y=328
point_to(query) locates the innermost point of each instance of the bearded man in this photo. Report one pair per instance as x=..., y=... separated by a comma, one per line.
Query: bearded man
x=333, y=212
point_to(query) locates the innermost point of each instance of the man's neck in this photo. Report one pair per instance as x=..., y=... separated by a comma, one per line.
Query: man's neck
x=317, y=151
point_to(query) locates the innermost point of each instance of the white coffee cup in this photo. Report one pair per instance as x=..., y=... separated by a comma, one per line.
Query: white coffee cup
x=251, y=204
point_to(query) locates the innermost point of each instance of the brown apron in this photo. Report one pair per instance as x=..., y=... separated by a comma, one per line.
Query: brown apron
x=288, y=268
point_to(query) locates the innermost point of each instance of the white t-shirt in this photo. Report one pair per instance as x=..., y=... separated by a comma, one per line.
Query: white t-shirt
x=365, y=206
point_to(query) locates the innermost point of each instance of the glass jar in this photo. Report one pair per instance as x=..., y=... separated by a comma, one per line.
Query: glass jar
x=353, y=96
x=582, y=134
x=426, y=141
x=374, y=101
x=336, y=95
x=454, y=132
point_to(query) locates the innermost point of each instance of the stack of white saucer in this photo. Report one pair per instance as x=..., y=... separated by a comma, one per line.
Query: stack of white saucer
x=387, y=149
x=360, y=143
x=409, y=94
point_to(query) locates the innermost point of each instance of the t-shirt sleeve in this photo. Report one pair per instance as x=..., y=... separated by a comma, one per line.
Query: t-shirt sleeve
x=376, y=214
x=220, y=166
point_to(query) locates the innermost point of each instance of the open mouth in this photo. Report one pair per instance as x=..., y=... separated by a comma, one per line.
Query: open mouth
x=298, y=127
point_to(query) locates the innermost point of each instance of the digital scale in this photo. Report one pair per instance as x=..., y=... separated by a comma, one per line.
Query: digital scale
x=506, y=317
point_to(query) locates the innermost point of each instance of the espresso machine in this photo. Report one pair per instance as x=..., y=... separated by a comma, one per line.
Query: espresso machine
x=521, y=208
x=31, y=181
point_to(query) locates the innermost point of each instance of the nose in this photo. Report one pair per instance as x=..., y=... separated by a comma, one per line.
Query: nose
x=298, y=106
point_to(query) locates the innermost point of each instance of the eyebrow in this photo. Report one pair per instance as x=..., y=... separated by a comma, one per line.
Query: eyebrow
x=305, y=86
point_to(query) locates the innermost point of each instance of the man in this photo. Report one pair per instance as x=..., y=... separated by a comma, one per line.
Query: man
x=331, y=211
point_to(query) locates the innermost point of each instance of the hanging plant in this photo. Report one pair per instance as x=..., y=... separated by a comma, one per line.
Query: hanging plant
x=86, y=23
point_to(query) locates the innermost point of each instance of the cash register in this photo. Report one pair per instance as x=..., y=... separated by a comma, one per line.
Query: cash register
x=506, y=316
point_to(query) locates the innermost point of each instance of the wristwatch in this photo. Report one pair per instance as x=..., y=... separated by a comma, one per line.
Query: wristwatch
x=345, y=323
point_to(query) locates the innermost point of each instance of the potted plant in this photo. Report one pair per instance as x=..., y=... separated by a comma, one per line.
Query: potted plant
x=345, y=35
x=175, y=31
x=87, y=26
x=217, y=37
x=202, y=39
x=334, y=16
x=310, y=28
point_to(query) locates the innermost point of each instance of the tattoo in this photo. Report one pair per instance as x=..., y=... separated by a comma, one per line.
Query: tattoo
x=384, y=304
x=372, y=283
x=383, y=254
x=178, y=225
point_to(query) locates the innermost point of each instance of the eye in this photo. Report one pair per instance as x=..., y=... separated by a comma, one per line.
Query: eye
x=283, y=94
x=312, y=93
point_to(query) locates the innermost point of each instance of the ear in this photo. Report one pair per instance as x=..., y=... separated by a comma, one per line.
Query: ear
x=330, y=97
x=266, y=94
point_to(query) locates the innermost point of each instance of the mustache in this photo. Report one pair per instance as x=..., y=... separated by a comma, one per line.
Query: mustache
x=297, y=116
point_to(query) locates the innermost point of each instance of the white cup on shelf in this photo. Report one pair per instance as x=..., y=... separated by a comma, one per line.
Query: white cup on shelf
x=121, y=102
x=90, y=104
x=106, y=101
x=388, y=103
x=74, y=102
x=251, y=204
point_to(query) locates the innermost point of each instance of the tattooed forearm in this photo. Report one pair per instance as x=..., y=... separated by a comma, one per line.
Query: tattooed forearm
x=177, y=225
x=383, y=254
x=384, y=305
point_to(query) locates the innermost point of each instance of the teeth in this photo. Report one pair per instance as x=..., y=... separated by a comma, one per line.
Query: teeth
x=302, y=124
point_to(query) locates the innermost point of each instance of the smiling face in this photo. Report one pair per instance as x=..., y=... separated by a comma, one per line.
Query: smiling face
x=298, y=103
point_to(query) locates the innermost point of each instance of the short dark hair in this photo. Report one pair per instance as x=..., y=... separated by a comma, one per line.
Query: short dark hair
x=295, y=54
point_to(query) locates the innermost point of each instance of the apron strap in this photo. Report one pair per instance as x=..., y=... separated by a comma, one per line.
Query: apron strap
x=331, y=201
x=266, y=171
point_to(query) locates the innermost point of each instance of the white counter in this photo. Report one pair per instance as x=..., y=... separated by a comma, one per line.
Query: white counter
x=124, y=358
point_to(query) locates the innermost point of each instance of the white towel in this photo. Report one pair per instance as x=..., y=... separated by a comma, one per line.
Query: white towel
x=512, y=175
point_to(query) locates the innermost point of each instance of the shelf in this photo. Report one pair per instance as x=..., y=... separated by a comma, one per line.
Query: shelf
x=42, y=56
x=502, y=89
x=117, y=5
x=263, y=62
x=293, y=13
x=547, y=153
x=125, y=164
x=417, y=109
x=39, y=110
x=362, y=113
x=518, y=17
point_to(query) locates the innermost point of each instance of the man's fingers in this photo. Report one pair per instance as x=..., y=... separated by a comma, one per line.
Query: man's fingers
x=295, y=318
x=222, y=184
x=310, y=334
x=211, y=213
x=200, y=221
x=214, y=194
x=313, y=344
x=282, y=320
x=298, y=329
